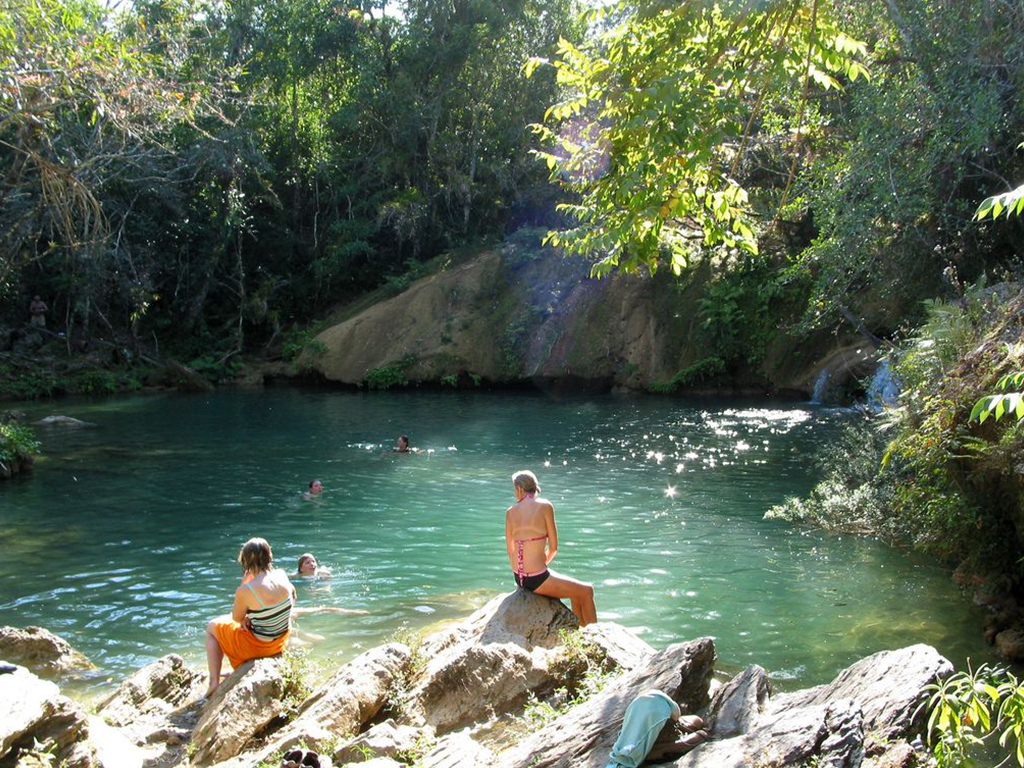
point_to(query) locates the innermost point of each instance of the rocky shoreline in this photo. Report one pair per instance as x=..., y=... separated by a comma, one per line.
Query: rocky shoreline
x=515, y=685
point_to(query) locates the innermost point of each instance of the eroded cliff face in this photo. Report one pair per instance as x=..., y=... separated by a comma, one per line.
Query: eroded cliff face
x=512, y=316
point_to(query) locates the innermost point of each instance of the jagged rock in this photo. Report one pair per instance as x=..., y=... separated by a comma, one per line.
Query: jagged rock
x=737, y=704
x=41, y=651
x=832, y=734
x=249, y=700
x=621, y=647
x=344, y=704
x=504, y=648
x=458, y=750
x=382, y=740
x=184, y=378
x=33, y=711
x=583, y=737
x=63, y=421
x=153, y=692
x=899, y=755
x=888, y=687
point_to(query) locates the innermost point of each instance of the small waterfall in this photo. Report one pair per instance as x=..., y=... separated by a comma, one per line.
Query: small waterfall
x=819, y=386
x=884, y=390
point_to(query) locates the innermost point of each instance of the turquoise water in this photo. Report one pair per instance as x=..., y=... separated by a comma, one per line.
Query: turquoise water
x=124, y=540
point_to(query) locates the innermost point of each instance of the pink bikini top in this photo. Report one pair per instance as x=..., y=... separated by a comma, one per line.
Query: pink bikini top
x=520, y=567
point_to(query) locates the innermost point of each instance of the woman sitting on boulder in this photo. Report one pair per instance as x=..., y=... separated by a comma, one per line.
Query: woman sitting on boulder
x=532, y=542
x=261, y=617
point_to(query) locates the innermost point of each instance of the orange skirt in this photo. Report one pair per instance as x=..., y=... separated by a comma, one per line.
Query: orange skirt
x=240, y=645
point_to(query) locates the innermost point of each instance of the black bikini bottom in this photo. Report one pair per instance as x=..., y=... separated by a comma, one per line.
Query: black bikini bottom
x=532, y=582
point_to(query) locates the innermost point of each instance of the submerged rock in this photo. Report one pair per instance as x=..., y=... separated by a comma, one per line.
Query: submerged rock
x=41, y=651
x=63, y=421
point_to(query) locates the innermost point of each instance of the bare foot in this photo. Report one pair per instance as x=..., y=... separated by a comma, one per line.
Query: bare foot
x=692, y=740
x=691, y=722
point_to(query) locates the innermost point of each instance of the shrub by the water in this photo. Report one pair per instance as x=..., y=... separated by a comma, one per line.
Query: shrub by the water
x=924, y=474
x=16, y=442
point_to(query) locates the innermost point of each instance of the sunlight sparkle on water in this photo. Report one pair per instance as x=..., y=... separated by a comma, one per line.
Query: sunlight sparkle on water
x=670, y=492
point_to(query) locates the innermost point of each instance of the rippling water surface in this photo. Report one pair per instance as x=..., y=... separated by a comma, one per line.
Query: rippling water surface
x=124, y=539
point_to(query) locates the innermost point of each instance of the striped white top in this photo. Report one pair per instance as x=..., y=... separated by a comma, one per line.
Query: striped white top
x=269, y=622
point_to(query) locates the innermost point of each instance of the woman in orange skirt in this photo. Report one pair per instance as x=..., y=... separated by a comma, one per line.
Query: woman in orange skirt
x=260, y=620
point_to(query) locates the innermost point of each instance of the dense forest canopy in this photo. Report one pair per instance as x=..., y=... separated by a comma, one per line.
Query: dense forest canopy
x=208, y=173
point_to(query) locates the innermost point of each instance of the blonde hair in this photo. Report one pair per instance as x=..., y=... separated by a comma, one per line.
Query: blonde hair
x=525, y=480
x=255, y=555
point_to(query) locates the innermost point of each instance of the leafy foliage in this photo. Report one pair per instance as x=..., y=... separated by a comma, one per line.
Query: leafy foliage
x=657, y=114
x=16, y=442
x=1002, y=404
x=968, y=708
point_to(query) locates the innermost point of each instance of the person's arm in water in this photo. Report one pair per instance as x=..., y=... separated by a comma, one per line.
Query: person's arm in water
x=549, y=523
x=328, y=609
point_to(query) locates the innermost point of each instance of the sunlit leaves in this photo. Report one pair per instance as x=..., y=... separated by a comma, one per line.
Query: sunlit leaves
x=1009, y=203
x=654, y=118
x=1001, y=404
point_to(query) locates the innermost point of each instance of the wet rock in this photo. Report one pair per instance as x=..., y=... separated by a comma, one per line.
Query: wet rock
x=504, y=648
x=41, y=651
x=63, y=421
x=249, y=700
x=458, y=750
x=35, y=716
x=583, y=737
x=1010, y=643
x=888, y=686
x=738, y=704
x=382, y=740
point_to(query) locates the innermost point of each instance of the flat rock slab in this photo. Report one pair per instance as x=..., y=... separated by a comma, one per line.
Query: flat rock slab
x=41, y=651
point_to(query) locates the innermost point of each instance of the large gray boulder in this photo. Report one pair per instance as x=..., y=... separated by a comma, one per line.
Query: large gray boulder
x=249, y=700
x=583, y=737
x=505, y=649
x=830, y=734
x=342, y=706
x=888, y=687
x=458, y=750
x=35, y=716
x=41, y=651
x=871, y=703
x=153, y=693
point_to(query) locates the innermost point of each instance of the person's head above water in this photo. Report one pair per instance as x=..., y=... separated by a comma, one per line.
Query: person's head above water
x=307, y=564
x=255, y=556
x=525, y=482
x=315, y=486
x=403, y=443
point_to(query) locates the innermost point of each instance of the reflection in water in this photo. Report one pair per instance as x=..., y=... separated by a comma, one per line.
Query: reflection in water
x=124, y=540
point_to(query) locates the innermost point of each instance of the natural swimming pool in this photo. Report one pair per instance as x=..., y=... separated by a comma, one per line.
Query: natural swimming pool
x=124, y=539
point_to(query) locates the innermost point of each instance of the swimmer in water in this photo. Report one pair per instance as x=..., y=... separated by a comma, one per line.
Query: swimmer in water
x=308, y=568
x=315, y=489
x=402, y=446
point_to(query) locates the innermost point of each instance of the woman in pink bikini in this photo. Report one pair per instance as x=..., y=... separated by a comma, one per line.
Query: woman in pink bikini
x=532, y=541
